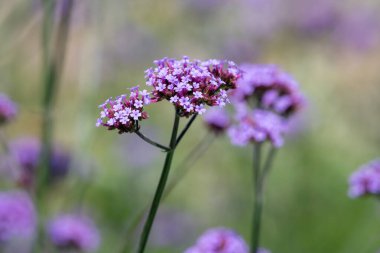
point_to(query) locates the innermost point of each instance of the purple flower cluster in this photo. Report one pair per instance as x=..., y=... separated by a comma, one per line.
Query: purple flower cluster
x=191, y=84
x=17, y=216
x=8, y=109
x=265, y=100
x=71, y=231
x=258, y=126
x=25, y=152
x=217, y=120
x=366, y=180
x=219, y=240
x=270, y=88
x=124, y=112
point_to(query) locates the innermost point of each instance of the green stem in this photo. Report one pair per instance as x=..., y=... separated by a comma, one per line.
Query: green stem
x=260, y=176
x=158, y=145
x=257, y=204
x=188, y=125
x=160, y=188
x=184, y=167
x=54, y=50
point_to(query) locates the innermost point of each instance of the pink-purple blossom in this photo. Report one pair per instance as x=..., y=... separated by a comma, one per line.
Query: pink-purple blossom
x=191, y=84
x=269, y=88
x=366, y=180
x=74, y=231
x=17, y=216
x=8, y=109
x=219, y=240
x=124, y=112
x=257, y=126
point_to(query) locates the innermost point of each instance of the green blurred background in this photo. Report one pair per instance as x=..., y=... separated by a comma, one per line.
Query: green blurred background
x=330, y=47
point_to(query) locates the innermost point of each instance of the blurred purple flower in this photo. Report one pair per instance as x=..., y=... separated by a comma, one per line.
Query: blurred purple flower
x=26, y=153
x=219, y=240
x=359, y=29
x=17, y=216
x=366, y=180
x=271, y=87
x=257, y=126
x=8, y=109
x=72, y=231
x=322, y=16
x=217, y=120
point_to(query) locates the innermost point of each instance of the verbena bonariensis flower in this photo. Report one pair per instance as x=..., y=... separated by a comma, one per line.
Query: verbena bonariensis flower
x=257, y=126
x=219, y=240
x=269, y=88
x=124, y=112
x=8, y=109
x=17, y=216
x=75, y=232
x=366, y=180
x=26, y=152
x=217, y=120
x=191, y=84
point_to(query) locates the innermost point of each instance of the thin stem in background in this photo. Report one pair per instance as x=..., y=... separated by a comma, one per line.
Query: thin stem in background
x=160, y=188
x=257, y=204
x=260, y=176
x=183, y=168
x=54, y=50
x=188, y=125
x=152, y=142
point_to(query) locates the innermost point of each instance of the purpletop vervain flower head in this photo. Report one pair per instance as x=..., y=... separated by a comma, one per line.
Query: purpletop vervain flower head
x=219, y=240
x=72, y=231
x=25, y=152
x=8, y=109
x=366, y=180
x=257, y=126
x=124, y=112
x=270, y=88
x=191, y=84
x=217, y=120
x=17, y=216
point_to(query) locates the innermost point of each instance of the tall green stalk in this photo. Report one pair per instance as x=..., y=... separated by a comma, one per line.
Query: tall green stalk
x=259, y=180
x=160, y=188
x=53, y=55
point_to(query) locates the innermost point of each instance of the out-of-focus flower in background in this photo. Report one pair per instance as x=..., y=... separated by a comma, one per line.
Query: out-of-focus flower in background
x=258, y=126
x=17, y=216
x=8, y=109
x=221, y=240
x=217, y=120
x=25, y=154
x=366, y=180
x=74, y=232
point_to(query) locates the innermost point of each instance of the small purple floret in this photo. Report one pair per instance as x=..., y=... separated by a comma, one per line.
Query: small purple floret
x=77, y=232
x=124, y=112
